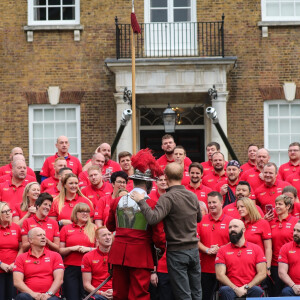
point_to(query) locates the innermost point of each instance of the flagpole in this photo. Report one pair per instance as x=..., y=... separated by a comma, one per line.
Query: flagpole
x=133, y=88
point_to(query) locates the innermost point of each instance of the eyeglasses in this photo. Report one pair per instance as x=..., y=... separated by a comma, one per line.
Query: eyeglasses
x=121, y=182
x=84, y=211
x=6, y=211
x=293, y=150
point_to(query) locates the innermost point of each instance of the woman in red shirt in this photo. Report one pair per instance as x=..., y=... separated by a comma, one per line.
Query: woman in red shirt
x=26, y=208
x=67, y=199
x=75, y=240
x=10, y=248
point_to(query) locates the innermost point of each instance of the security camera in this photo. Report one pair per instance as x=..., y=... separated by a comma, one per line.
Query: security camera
x=212, y=114
x=126, y=116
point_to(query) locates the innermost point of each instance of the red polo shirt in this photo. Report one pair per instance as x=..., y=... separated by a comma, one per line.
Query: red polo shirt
x=17, y=212
x=83, y=179
x=38, y=272
x=231, y=210
x=8, y=178
x=49, y=225
x=282, y=233
x=114, y=166
x=287, y=169
x=212, y=179
x=154, y=195
x=266, y=195
x=207, y=167
x=247, y=166
x=102, y=209
x=225, y=181
x=201, y=191
x=53, y=191
x=72, y=162
x=94, y=194
x=258, y=231
x=7, y=170
x=10, y=237
x=95, y=262
x=163, y=161
x=73, y=235
x=65, y=213
x=296, y=210
x=48, y=183
x=289, y=254
x=11, y=194
x=240, y=262
x=252, y=177
x=212, y=232
x=294, y=180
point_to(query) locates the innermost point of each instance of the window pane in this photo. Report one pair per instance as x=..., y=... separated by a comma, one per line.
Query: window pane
x=284, y=141
x=295, y=125
x=73, y=146
x=273, y=142
x=53, y=2
x=297, y=11
x=38, y=115
x=287, y=9
x=159, y=3
x=71, y=130
x=49, y=114
x=38, y=162
x=182, y=3
x=272, y=9
x=50, y=146
x=273, y=126
x=284, y=126
x=49, y=130
x=69, y=13
x=54, y=13
x=38, y=146
x=39, y=2
x=60, y=130
x=295, y=110
x=159, y=15
x=68, y=2
x=40, y=14
x=283, y=158
x=295, y=137
x=71, y=114
x=37, y=131
x=273, y=110
x=284, y=110
x=182, y=15
x=60, y=114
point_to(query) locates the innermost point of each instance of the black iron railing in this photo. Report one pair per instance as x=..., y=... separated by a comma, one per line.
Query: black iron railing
x=202, y=39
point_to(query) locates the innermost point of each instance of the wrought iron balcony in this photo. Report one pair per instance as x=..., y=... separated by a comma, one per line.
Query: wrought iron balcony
x=186, y=39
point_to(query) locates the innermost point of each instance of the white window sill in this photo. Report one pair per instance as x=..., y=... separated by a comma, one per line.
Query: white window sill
x=265, y=24
x=30, y=28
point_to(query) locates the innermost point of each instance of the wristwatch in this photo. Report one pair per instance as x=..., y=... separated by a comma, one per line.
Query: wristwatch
x=50, y=293
x=247, y=287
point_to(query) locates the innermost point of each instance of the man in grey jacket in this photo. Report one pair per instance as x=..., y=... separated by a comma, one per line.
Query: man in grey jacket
x=180, y=211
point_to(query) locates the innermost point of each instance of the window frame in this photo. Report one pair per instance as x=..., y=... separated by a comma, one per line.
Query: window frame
x=32, y=22
x=31, y=109
x=266, y=18
x=278, y=151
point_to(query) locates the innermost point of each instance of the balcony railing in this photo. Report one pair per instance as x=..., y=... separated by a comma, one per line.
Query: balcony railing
x=186, y=39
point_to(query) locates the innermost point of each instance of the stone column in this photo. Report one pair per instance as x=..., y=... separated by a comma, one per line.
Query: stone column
x=220, y=105
x=125, y=143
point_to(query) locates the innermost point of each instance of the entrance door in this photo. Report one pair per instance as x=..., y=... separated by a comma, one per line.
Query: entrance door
x=192, y=140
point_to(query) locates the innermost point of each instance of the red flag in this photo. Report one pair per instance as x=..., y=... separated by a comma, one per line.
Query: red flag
x=134, y=24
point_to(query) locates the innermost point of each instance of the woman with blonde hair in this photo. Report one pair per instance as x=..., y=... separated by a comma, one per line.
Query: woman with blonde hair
x=69, y=196
x=10, y=248
x=75, y=240
x=26, y=208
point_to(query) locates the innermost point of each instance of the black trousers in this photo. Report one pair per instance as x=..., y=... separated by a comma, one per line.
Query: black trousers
x=7, y=290
x=73, y=286
x=276, y=288
x=209, y=285
x=164, y=287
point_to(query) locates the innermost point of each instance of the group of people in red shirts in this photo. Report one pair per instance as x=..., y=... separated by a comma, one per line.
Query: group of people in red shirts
x=68, y=212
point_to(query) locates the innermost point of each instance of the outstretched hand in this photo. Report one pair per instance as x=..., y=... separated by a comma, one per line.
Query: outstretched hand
x=137, y=197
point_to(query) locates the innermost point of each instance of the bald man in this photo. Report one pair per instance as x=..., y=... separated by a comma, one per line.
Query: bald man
x=240, y=265
x=73, y=162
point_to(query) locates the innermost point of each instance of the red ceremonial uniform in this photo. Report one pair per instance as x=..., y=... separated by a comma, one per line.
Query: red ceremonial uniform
x=95, y=262
x=282, y=232
x=289, y=254
x=240, y=261
x=201, y=191
x=53, y=191
x=72, y=162
x=212, y=232
x=66, y=211
x=207, y=167
x=287, y=169
x=296, y=210
x=102, y=209
x=48, y=183
x=294, y=180
x=163, y=161
x=12, y=194
x=7, y=170
x=38, y=272
x=247, y=166
x=162, y=264
x=258, y=231
x=231, y=210
x=266, y=195
x=49, y=225
x=94, y=194
x=10, y=237
x=73, y=235
x=212, y=179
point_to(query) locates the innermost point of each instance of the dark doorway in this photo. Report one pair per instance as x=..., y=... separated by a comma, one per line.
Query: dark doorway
x=192, y=140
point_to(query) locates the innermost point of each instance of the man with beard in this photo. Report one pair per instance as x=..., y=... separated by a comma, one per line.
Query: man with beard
x=217, y=174
x=242, y=190
x=195, y=185
x=228, y=185
x=240, y=265
x=250, y=164
x=168, y=145
x=289, y=264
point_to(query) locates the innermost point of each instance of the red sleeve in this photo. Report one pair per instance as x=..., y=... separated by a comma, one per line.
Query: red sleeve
x=63, y=234
x=56, y=229
x=83, y=180
x=220, y=259
x=45, y=169
x=16, y=212
x=19, y=264
x=283, y=254
x=260, y=256
x=85, y=264
x=57, y=261
x=79, y=167
x=99, y=209
x=54, y=209
x=266, y=230
x=25, y=230
x=111, y=221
